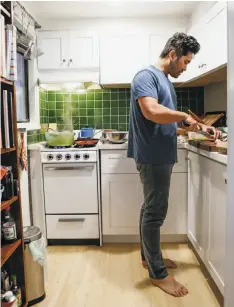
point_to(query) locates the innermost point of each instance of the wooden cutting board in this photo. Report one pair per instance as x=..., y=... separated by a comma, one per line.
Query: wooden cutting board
x=208, y=120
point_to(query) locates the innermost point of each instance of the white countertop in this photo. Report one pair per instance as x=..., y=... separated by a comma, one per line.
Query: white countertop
x=212, y=155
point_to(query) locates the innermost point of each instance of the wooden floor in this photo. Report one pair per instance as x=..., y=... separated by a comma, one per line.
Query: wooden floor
x=112, y=276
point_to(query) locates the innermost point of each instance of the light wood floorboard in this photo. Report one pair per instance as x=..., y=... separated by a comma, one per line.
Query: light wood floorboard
x=112, y=276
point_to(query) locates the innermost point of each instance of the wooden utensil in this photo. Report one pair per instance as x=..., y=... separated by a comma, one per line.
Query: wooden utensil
x=196, y=117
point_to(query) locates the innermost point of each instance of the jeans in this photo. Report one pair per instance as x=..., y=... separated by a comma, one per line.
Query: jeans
x=156, y=185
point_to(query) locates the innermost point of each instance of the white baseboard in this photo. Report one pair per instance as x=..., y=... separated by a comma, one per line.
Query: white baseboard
x=136, y=239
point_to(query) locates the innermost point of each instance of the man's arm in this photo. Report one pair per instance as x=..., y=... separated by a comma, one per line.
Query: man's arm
x=157, y=113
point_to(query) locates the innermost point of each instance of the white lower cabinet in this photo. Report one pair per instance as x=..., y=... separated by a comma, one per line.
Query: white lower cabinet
x=122, y=195
x=207, y=213
x=122, y=199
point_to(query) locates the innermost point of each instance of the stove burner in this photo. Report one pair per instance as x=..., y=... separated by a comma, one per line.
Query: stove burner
x=57, y=147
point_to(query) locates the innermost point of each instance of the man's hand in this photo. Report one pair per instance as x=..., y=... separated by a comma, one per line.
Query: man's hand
x=212, y=131
x=193, y=124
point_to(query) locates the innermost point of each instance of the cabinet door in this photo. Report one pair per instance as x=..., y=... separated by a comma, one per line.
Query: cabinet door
x=121, y=57
x=176, y=220
x=217, y=45
x=84, y=50
x=122, y=198
x=54, y=44
x=197, y=202
x=215, y=255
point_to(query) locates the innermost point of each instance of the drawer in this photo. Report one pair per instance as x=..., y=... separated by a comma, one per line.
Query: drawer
x=182, y=165
x=116, y=162
x=72, y=226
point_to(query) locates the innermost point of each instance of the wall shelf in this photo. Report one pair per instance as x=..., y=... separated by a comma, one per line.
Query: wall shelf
x=7, y=203
x=6, y=150
x=8, y=250
x=3, y=80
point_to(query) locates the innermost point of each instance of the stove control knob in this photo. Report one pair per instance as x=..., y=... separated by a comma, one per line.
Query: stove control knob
x=50, y=157
x=67, y=156
x=59, y=157
x=86, y=156
x=77, y=156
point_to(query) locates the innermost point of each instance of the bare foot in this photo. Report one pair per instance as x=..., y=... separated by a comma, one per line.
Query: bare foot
x=170, y=286
x=169, y=264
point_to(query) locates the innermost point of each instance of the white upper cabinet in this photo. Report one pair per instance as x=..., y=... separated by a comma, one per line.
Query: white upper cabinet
x=121, y=56
x=84, y=50
x=68, y=50
x=213, y=52
x=55, y=47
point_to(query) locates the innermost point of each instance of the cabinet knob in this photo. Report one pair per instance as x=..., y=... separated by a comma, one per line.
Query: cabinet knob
x=64, y=60
x=70, y=60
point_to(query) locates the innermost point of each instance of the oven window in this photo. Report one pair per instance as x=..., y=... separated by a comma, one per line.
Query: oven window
x=22, y=100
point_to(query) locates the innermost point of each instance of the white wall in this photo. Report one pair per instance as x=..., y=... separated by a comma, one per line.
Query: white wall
x=105, y=26
x=215, y=97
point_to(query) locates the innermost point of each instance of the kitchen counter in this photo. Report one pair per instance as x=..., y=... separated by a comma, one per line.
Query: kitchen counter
x=211, y=155
x=125, y=146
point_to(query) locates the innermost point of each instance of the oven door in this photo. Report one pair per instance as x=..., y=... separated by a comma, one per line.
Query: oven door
x=70, y=188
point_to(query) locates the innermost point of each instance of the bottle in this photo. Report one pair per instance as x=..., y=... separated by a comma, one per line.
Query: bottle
x=9, y=227
x=16, y=290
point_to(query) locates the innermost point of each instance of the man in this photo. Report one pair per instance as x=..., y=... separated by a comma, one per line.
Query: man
x=153, y=145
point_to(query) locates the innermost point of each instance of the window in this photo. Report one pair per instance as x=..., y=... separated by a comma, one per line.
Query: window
x=22, y=99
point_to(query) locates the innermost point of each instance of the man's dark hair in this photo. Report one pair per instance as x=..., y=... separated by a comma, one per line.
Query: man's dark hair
x=182, y=44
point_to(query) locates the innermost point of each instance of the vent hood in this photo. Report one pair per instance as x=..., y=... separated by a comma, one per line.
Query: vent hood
x=68, y=76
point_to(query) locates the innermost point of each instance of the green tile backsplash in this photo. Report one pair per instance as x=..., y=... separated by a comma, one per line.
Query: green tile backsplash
x=107, y=108
x=101, y=109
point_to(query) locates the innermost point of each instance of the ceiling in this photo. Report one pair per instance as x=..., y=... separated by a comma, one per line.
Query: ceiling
x=67, y=10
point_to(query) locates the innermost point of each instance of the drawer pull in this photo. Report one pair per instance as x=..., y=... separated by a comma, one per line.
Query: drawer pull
x=62, y=220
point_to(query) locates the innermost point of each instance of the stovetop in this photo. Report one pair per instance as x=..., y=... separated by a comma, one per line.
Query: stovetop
x=67, y=155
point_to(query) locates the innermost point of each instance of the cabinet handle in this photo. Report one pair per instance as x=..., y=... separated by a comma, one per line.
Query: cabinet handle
x=187, y=159
x=71, y=220
x=225, y=181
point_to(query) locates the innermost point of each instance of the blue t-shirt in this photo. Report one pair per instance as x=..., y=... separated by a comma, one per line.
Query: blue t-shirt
x=148, y=141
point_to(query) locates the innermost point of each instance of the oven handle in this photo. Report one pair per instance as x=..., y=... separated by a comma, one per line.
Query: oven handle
x=68, y=168
x=71, y=219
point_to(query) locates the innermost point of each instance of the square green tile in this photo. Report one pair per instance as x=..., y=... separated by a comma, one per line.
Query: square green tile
x=90, y=96
x=59, y=105
x=98, y=95
x=75, y=112
x=122, y=119
x=67, y=97
x=98, y=104
x=59, y=97
x=106, y=104
x=114, y=96
x=83, y=120
x=91, y=121
x=59, y=113
x=76, y=120
x=98, y=120
x=51, y=97
x=52, y=120
x=106, y=96
x=106, y=111
x=98, y=112
x=82, y=96
x=74, y=97
x=75, y=104
x=51, y=105
x=114, y=111
x=51, y=113
x=114, y=103
x=82, y=104
x=90, y=104
x=122, y=111
x=122, y=95
x=114, y=126
x=107, y=126
x=106, y=119
x=83, y=112
x=122, y=127
x=90, y=112
x=76, y=126
x=114, y=119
